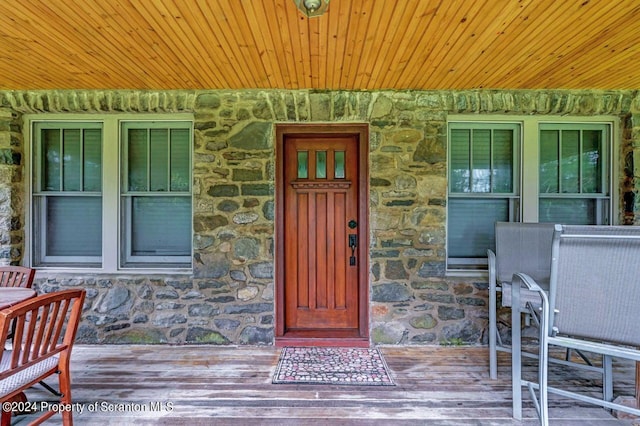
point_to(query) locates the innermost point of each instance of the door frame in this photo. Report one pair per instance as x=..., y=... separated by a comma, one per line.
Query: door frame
x=361, y=131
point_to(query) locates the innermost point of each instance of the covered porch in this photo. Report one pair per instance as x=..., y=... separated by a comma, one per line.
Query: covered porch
x=223, y=76
x=202, y=384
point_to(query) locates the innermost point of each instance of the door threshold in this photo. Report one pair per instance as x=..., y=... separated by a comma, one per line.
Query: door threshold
x=323, y=342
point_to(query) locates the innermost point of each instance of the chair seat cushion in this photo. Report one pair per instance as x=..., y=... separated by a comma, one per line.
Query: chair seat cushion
x=526, y=295
x=20, y=379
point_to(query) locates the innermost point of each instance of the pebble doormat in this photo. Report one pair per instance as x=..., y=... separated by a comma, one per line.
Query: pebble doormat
x=335, y=366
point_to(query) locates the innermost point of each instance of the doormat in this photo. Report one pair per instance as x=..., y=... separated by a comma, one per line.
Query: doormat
x=333, y=366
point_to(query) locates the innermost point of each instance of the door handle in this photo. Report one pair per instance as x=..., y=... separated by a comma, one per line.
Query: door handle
x=353, y=244
x=353, y=241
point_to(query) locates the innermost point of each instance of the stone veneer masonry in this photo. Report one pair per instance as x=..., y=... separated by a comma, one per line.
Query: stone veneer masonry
x=229, y=297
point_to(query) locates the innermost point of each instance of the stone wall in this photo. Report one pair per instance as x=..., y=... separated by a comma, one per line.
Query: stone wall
x=11, y=188
x=229, y=297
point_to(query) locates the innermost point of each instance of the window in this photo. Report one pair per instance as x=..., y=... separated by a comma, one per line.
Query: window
x=573, y=174
x=483, y=187
x=111, y=194
x=156, y=202
x=534, y=171
x=67, y=195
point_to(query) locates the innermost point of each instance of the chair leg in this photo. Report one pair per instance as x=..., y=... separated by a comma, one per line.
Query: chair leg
x=6, y=418
x=543, y=376
x=516, y=355
x=65, y=390
x=637, y=384
x=607, y=378
x=7, y=414
x=493, y=336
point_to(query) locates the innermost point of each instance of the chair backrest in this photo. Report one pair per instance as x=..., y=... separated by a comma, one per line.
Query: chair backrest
x=523, y=247
x=42, y=326
x=594, y=282
x=16, y=276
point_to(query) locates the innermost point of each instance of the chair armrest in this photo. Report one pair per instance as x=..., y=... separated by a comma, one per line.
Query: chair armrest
x=490, y=255
x=491, y=261
x=544, y=318
x=527, y=281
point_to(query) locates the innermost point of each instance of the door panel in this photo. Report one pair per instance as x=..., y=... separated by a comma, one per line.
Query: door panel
x=320, y=198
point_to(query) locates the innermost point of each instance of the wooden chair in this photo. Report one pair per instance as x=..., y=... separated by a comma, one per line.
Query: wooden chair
x=592, y=306
x=16, y=276
x=21, y=276
x=45, y=330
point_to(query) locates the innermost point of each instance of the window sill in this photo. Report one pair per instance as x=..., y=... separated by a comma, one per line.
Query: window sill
x=461, y=273
x=96, y=271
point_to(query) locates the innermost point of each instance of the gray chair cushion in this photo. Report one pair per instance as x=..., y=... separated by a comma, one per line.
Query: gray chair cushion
x=20, y=379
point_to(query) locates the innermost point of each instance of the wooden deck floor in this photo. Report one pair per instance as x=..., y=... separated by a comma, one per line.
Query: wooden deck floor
x=232, y=385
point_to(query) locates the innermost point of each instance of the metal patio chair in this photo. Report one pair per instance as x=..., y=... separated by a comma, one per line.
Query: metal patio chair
x=520, y=247
x=592, y=306
x=525, y=248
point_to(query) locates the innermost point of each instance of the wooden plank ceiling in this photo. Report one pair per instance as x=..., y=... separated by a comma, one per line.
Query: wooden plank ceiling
x=356, y=44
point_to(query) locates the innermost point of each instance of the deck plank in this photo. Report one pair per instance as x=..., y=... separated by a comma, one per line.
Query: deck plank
x=232, y=385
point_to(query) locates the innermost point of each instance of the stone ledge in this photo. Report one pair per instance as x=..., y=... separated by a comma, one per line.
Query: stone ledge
x=331, y=105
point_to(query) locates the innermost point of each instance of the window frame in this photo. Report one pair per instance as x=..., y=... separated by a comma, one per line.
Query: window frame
x=112, y=223
x=513, y=197
x=528, y=208
x=41, y=197
x=127, y=258
x=603, y=201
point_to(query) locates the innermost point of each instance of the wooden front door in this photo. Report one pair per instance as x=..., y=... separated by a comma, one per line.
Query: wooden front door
x=322, y=231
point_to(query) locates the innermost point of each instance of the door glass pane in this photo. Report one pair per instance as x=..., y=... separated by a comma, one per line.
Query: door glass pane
x=471, y=225
x=460, y=160
x=570, y=165
x=339, y=165
x=92, y=160
x=591, y=161
x=159, y=160
x=549, y=142
x=180, y=160
x=137, y=160
x=321, y=164
x=303, y=164
x=502, y=161
x=161, y=226
x=71, y=171
x=481, y=157
x=51, y=160
x=74, y=226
